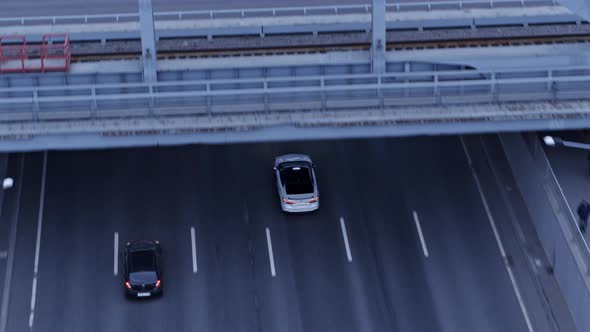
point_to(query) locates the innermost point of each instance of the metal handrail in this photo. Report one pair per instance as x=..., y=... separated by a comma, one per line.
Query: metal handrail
x=321, y=88
x=467, y=76
x=276, y=11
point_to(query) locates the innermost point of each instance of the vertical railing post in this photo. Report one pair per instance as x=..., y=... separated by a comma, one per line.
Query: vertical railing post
x=151, y=99
x=380, y=91
x=208, y=88
x=551, y=85
x=36, y=108
x=436, y=91
x=266, y=104
x=93, y=103
x=494, y=88
x=323, y=93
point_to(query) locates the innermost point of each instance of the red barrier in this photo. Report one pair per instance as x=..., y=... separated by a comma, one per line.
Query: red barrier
x=53, y=54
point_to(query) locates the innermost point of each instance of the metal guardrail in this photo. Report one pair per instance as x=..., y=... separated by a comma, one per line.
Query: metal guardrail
x=262, y=30
x=315, y=93
x=275, y=12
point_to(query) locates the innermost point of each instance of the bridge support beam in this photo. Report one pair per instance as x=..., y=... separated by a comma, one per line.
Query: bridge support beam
x=149, y=54
x=378, y=37
x=579, y=7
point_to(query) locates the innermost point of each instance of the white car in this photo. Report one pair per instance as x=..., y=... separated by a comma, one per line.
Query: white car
x=296, y=183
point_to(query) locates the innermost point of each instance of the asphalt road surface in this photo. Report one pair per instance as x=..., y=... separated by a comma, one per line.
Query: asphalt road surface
x=10, y=8
x=402, y=241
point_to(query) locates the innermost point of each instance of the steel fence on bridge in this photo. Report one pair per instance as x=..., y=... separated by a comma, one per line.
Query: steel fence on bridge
x=306, y=93
x=275, y=12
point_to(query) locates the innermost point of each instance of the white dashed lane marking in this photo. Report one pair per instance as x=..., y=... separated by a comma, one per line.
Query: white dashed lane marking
x=116, y=254
x=194, y=249
x=271, y=256
x=345, y=238
x=419, y=228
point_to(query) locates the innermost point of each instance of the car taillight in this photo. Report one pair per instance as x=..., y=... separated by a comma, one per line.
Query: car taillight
x=127, y=285
x=286, y=201
x=158, y=283
x=315, y=199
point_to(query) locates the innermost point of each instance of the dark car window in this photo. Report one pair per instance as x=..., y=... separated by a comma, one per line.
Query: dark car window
x=297, y=179
x=142, y=260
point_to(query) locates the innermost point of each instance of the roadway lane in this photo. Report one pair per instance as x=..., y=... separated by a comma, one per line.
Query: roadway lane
x=464, y=262
x=27, y=209
x=227, y=194
x=11, y=8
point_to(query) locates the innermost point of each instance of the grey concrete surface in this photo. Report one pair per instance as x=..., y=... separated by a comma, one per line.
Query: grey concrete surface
x=227, y=193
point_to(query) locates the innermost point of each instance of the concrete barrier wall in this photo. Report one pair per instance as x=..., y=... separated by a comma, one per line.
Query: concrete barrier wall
x=554, y=221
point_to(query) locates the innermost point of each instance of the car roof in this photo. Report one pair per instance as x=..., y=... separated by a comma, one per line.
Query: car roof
x=142, y=260
x=297, y=182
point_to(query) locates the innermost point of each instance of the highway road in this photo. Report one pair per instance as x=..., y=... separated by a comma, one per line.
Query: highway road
x=11, y=8
x=402, y=241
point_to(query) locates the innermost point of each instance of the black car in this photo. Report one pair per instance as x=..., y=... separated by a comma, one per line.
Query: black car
x=143, y=275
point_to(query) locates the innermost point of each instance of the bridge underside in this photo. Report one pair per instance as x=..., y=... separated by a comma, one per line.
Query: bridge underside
x=260, y=127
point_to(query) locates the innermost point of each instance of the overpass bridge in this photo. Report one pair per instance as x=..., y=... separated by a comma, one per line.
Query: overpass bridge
x=348, y=92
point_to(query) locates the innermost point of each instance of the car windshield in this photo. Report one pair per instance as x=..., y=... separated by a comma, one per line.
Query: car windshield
x=297, y=179
x=142, y=260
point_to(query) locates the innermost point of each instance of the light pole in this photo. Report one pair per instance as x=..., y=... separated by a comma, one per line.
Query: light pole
x=556, y=141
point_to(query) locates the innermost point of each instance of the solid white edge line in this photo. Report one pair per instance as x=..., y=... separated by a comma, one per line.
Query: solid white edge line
x=271, y=256
x=38, y=241
x=497, y=236
x=422, y=241
x=345, y=237
x=116, y=254
x=33, y=299
x=194, y=249
x=40, y=216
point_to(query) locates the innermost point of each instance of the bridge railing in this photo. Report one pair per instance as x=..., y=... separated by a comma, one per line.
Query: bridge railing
x=274, y=12
x=314, y=93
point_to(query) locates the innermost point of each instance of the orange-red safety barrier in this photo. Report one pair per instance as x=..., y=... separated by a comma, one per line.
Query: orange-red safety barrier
x=53, y=54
